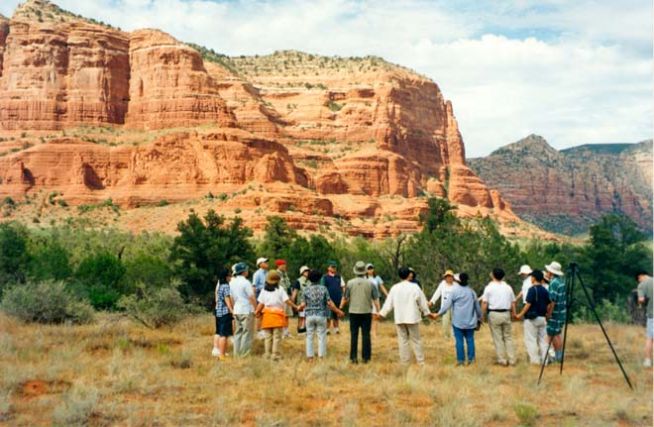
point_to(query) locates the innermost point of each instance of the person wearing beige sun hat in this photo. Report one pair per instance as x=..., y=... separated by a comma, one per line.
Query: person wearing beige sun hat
x=443, y=292
x=557, y=310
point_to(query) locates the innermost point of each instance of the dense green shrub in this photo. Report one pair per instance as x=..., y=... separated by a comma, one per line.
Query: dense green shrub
x=46, y=302
x=14, y=257
x=205, y=250
x=100, y=276
x=161, y=307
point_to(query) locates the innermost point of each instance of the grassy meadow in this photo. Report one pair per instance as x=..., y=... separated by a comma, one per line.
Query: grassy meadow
x=115, y=372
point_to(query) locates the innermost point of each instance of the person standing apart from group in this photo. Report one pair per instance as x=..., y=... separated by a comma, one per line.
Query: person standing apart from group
x=498, y=304
x=645, y=291
x=259, y=282
x=409, y=305
x=377, y=282
x=360, y=295
x=443, y=292
x=316, y=305
x=242, y=294
x=466, y=314
x=273, y=300
x=335, y=285
x=557, y=310
x=537, y=301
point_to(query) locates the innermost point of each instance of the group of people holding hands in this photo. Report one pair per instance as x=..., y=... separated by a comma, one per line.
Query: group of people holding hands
x=265, y=305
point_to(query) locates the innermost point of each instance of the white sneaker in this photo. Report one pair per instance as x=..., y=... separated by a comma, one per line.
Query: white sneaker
x=261, y=335
x=215, y=352
x=647, y=363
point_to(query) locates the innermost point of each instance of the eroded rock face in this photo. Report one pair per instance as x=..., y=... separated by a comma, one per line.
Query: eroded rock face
x=176, y=167
x=169, y=86
x=567, y=191
x=324, y=136
x=59, y=73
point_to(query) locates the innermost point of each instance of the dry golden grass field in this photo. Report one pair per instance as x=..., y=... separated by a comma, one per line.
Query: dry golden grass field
x=115, y=372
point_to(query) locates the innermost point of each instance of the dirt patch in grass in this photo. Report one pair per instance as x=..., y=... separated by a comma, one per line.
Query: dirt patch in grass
x=34, y=388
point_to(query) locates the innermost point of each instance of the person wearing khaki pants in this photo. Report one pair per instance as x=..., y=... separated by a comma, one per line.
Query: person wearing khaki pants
x=501, y=331
x=409, y=304
x=243, y=334
x=498, y=301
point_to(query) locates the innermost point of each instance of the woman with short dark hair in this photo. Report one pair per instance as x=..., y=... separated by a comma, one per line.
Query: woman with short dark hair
x=466, y=315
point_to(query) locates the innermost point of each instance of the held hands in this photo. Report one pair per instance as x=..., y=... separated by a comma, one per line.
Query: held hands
x=433, y=316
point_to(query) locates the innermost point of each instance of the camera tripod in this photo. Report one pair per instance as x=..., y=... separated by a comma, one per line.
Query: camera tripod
x=572, y=278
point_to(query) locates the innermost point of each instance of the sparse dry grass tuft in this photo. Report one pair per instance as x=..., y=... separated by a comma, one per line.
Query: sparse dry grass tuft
x=119, y=373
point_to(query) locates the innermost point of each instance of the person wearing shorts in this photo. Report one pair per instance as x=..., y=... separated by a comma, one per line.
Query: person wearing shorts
x=224, y=319
x=557, y=310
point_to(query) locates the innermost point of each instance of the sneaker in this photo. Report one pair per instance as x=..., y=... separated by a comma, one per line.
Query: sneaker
x=647, y=363
x=338, y=331
x=261, y=335
x=215, y=352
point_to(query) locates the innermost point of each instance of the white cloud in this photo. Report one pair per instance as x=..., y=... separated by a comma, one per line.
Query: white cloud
x=574, y=72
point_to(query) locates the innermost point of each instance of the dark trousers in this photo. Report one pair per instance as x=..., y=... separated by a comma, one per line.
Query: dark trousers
x=364, y=322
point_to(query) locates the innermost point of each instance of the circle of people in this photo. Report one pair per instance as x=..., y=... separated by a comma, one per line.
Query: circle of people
x=264, y=306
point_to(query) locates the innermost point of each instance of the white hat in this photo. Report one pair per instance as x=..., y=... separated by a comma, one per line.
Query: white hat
x=303, y=269
x=554, y=268
x=457, y=278
x=525, y=269
x=260, y=260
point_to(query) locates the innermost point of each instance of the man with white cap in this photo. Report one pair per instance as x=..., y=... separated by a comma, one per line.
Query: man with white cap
x=524, y=274
x=557, y=310
x=259, y=281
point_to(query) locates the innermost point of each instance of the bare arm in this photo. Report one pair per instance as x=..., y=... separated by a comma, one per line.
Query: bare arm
x=335, y=309
x=253, y=302
x=259, y=309
x=484, y=309
x=230, y=305
x=524, y=311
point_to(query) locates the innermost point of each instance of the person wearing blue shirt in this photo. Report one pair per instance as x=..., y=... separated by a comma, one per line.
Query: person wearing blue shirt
x=466, y=313
x=259, y=282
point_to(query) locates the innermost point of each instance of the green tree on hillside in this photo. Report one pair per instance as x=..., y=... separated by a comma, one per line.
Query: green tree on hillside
x=14, y=256
x=205, y=250
x=615, y=252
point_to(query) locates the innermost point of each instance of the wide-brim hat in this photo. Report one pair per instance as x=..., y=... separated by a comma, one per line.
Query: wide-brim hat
x=359, y=268
x=261, y=260
x=457, y=278
x=273, y=277
x=303, y=269
x=525, y=269
x=554, y=268
x=448, y=273
x=239, y=268
x=332, y=263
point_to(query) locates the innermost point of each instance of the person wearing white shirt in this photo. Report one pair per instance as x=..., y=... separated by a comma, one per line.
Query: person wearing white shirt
x=242, y=294
x=409, y=303
x=525, y=272
x=443, y=292
x=498, y=301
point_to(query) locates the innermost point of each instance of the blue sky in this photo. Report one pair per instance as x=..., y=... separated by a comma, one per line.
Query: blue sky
x=574, y=72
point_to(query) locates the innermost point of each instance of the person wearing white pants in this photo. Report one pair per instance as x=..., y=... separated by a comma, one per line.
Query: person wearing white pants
x=535, y=324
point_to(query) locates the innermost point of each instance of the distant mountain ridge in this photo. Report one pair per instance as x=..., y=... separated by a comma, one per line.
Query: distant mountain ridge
x=565, y=191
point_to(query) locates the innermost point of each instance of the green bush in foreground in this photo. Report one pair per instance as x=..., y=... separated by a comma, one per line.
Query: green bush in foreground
x=46, y=302
x=161, y=307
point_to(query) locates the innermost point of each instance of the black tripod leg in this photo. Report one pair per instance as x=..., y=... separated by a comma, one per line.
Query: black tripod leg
x=542, y=365
x=568, y=306
x=608, y=340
